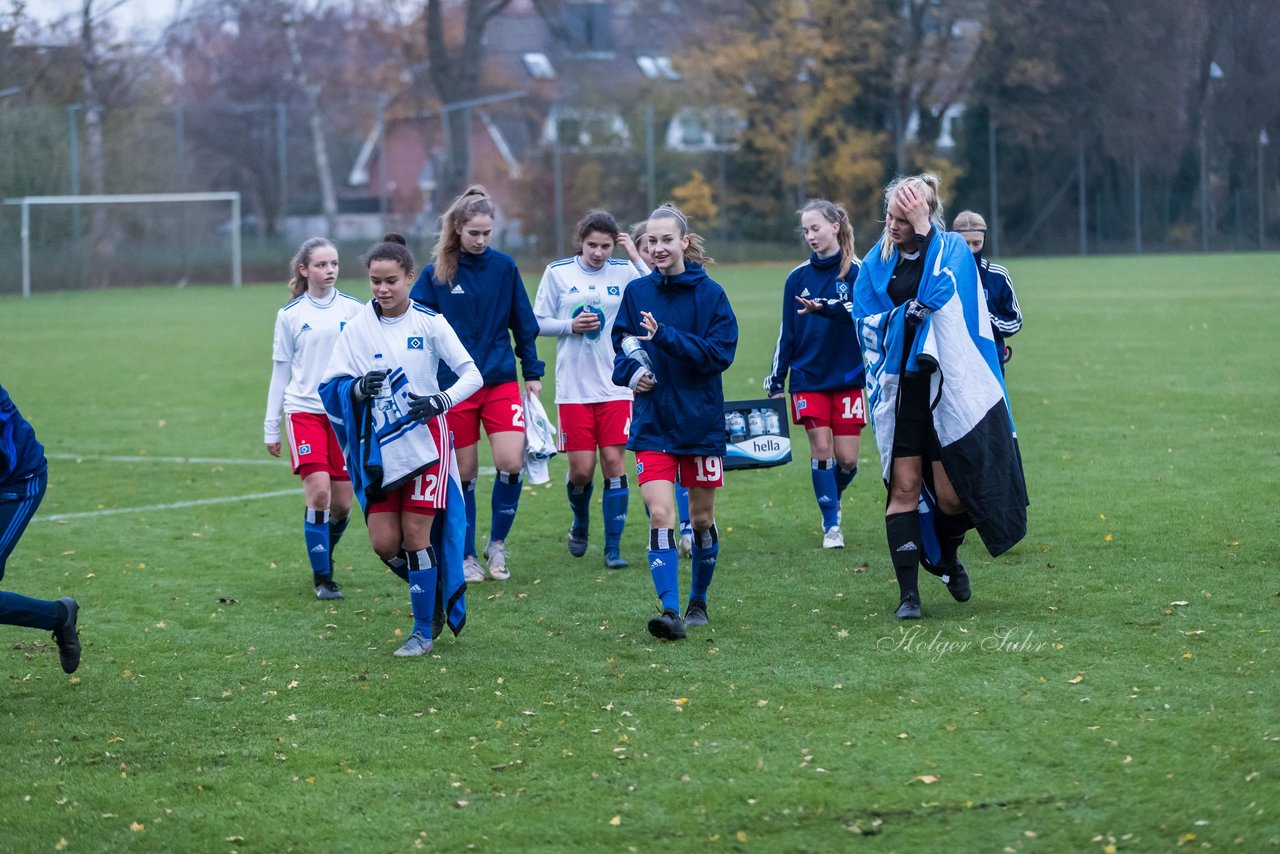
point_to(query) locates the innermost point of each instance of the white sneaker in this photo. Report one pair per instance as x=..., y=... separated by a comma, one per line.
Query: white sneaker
x=833, y=538
x=496, y=555
x=472, y=571
x=685, y=546
x=414, y=646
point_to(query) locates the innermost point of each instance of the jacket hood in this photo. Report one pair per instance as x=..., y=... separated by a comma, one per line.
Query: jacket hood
x=693, y=275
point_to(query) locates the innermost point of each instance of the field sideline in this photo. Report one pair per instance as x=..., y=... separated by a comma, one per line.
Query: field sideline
x=1111, y=686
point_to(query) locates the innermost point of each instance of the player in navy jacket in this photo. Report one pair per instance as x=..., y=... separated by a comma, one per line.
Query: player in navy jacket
x=1002, y=302
x=481, y=294
x=674, y=335
x=24, y=474
x=824, y=360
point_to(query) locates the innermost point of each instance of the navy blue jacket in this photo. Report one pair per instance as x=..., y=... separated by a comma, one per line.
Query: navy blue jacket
x=695, y=343
x=1002, y=303
x=21, y=454
x=820, y=355
x=485, y=300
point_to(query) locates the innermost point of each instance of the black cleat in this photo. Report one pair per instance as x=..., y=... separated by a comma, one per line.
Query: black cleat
x=667, y=626
x=328, y=589
x=577, y=542
x=613, y=560
x=67, y=635
x=909, y=607
x=957, y=581
x=696, y=613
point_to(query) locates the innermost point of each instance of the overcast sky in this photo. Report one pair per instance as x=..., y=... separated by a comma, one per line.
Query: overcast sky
x=141, y=17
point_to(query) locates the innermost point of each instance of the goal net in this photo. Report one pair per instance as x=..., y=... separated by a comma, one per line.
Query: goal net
x=71, y=242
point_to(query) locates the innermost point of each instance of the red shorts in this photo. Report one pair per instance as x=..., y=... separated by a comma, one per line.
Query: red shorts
x=313, y=446
x=587, y=426
x=425, y=494
x=498, y=406
x=693, y=471
x=845, y=411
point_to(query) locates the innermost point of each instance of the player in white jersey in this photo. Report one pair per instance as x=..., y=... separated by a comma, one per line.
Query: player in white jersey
x=306, y=329
x=382, y=390
x=577, y=301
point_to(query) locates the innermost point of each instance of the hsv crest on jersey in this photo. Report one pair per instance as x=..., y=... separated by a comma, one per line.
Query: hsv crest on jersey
x=415, y=342
x=614, y=290
x=639, y=468
x=304, y=449
x=801, y=403
x=842, y=288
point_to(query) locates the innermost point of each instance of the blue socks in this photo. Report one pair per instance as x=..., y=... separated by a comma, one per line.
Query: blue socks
x=315, y=529
x=19, y=610
x=580, y=503
x=706, y=548
x=469, y=503
x=826, y=491
x=663, y=566
x=422, y=588
x=682, y=508
x=844, y=478
x=616, y=496
x=506, y=497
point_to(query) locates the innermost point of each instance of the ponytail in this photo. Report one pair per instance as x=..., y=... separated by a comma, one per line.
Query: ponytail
x=836, y=214
x=302, y=258
x=473, y=202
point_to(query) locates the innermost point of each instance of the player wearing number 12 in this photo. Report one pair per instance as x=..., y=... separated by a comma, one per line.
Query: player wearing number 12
x=577, y=301
x=687, y=335
x=381, y=392
x=824, y=359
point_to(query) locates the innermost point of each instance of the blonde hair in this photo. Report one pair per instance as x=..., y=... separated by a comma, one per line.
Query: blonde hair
x=474, y=201
x=969, y=221
x=695, y=252
x=835, y=213
x=302, y=258
x=927, y=185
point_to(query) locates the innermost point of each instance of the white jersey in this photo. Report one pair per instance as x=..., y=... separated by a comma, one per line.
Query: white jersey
x=584, y=368
x=305, y=332
x=416, y=341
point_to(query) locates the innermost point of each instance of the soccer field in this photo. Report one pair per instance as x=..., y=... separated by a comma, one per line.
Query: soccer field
x=1111, y=686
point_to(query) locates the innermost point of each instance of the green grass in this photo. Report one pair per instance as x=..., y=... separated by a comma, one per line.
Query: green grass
x=1070, y=705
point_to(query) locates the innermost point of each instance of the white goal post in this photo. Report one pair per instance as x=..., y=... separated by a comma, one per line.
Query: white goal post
x=26, y=202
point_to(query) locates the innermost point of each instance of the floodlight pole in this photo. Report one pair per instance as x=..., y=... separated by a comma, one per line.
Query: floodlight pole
x=235, y=241
x=26, y=249
x=1262, y=212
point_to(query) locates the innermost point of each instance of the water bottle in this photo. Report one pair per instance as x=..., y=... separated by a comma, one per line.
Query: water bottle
x=755, y=423
x=379, y=364
x=634, y=349
x=592, y=305
x=772, y=423
x=735, y=425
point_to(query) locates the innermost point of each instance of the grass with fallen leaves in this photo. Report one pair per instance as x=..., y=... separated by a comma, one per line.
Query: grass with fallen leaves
x=1112, y=685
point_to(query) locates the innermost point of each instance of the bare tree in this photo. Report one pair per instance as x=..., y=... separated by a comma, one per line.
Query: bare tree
x=100, y=244
x=328, y=197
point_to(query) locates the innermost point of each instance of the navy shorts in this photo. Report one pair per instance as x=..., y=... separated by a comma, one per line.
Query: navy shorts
x=18, y=502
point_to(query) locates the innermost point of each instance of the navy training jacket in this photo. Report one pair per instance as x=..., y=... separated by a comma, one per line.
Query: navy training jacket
x=695, y=343
x=21, y=454
x=819, y=354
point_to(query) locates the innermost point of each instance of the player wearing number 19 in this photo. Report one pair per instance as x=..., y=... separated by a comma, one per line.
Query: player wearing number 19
x=577, y=301
x=824, y=359
x=674, y=336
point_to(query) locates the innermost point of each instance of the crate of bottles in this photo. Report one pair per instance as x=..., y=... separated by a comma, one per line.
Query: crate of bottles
x=756, y=433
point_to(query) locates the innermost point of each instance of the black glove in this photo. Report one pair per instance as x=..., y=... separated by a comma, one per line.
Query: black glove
x=914, y=312
x=371, y=383
x=424, y=407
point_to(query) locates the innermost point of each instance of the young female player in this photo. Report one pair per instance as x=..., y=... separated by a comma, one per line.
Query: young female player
x=24, y=475
x=577, y=301
x=685, y=547
x=942, y=421
x=824, y=360
x=381, y=391
x=480, y=291
x=306, y=329
x=1002, y=302
x=675, y=334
